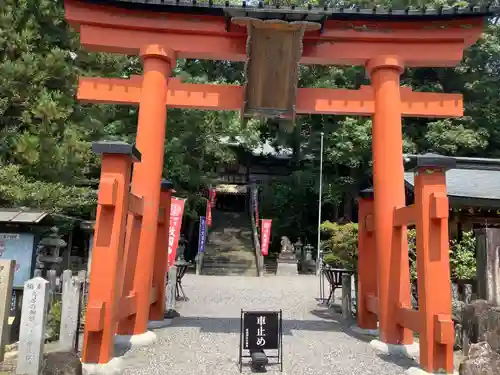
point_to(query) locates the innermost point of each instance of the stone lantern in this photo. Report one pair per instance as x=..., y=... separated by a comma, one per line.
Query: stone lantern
x=308, y=249
x=298, y=248
x=48, y=252
x=309, y=265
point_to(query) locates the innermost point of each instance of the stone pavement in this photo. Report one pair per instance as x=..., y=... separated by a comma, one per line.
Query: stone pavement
x=205, y=339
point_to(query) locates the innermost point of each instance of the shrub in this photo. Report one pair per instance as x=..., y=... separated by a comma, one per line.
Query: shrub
x=341, y=247
x=463, y=257
x=54, y=319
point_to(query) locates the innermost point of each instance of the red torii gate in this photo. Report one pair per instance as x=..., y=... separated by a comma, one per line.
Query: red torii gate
x=381, y=40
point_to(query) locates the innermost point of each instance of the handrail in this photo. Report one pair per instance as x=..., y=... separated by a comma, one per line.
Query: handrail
x=255, y=236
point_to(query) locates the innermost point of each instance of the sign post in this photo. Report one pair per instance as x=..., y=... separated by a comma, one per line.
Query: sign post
x=201, y=243
x=259, y=331
x=255, y=201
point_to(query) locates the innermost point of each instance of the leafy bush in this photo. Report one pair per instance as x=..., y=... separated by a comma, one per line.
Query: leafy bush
x=412, y=252
x=463, y=257
x=54, y=319
x=341, y=247
x=332, y=259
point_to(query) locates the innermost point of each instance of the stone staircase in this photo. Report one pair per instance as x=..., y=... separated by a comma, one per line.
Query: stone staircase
x=229, y=249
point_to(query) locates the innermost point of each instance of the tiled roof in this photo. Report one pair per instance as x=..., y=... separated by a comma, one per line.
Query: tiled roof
x=15, y=215
x=475, y=178
x=263, y=149
x=469, y=183
x=257, y=9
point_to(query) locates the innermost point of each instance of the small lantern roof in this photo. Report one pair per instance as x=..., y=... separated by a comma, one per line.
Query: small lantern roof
x=53, y=239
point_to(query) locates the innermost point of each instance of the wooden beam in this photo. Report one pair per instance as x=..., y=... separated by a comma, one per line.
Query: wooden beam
x=372, y=303
x=408, y=318
x=404, y=216
x=230, y=98
x=361, y=102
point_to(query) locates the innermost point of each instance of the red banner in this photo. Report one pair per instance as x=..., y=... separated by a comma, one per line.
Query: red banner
x=212, y=194
x=174, y=230
x=265, y=236
x=209, y=214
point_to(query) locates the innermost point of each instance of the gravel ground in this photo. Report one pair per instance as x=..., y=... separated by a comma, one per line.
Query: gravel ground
x=205, y=339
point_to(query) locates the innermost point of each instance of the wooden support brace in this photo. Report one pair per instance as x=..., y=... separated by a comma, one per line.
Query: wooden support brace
x=404, y=216
x=94, y=318
x=372, y=303
x=136, y=205
x=408, y=318
x=444, y=329
x=127, y=306
x=439, y=206
x=107, y=192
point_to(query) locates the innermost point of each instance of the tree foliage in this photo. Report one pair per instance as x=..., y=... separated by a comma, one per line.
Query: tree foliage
x=46, y=135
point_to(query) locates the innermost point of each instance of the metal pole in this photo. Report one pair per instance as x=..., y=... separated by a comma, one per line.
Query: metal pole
x=318, y=253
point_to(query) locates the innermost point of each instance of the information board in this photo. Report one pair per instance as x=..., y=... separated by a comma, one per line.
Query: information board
x=19, y=247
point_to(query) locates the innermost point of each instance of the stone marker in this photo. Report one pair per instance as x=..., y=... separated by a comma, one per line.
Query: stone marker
x=480, y=323
x=6, y=278
x=346, y=296
x=61, y=362
x=170, y=311
x=33, y=321
x=82, y=276
x=70, y=309
x=482, y=360
x=488, y=265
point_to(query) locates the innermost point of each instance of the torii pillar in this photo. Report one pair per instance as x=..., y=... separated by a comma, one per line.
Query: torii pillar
x=389, y=193
x=158, y=63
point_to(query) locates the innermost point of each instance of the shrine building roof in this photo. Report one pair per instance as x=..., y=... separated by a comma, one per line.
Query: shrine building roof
x=474, y=182
x=309, y=13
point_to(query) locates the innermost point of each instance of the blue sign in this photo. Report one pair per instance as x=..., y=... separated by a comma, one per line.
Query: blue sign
x=202, y=234
x=19, y=247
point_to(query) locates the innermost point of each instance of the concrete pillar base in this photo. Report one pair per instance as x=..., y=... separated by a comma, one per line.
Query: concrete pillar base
x=365, y=331
x=135, y=341
x=419, y=371
x=410, y=351
x=113, y=367
x=155, y=324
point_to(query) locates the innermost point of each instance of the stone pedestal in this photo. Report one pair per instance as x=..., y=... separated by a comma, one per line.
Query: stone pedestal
x=482, y=360
x=287, y=264
x=480, y=324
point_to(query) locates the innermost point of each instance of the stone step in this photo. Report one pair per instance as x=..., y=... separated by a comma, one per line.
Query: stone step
x=224, y=271
x=228, y=265
x=246, y=257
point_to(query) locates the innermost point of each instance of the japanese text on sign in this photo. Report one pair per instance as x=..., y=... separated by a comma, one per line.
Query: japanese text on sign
x=261, y=330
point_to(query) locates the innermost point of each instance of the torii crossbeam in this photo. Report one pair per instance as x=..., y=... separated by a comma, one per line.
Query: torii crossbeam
x=230, y=98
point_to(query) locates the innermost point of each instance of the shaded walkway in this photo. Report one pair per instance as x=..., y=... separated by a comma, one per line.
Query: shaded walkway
x=204, y=341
